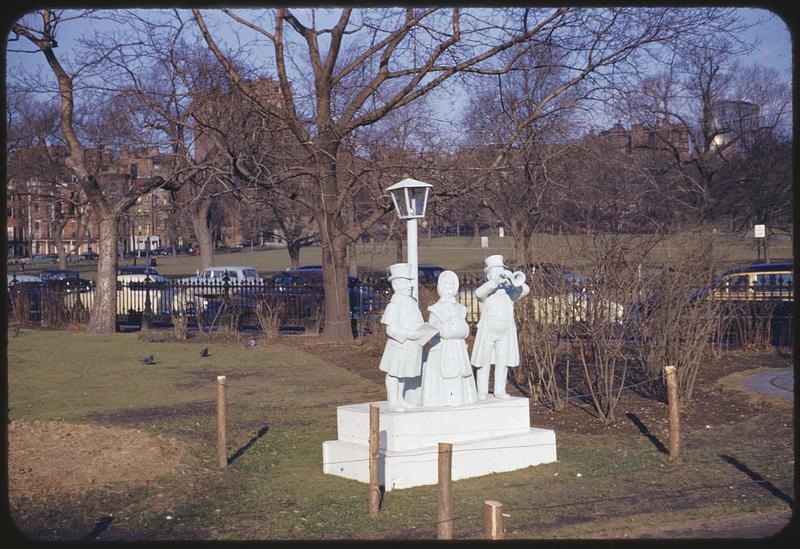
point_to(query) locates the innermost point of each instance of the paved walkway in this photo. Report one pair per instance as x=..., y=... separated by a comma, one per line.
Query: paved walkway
x=779, y=383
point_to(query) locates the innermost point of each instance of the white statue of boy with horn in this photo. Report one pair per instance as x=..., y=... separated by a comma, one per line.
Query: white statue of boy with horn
x=496, y=338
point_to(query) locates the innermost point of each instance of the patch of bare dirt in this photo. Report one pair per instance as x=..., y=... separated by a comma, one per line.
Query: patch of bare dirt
x=52, y=456
x=753, y=526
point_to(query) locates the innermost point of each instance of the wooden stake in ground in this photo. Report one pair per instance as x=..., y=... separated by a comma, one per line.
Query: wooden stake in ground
x=674, y=417
x=444, y=522
x=374, y=471
x=222, y=444
x=493, y=519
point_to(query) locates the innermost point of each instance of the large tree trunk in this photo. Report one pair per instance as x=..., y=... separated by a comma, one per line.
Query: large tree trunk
x=56, y=232
x=103, y=319
x=294, y=253
x=352, y=259
x=202, y=231
x=337, y=328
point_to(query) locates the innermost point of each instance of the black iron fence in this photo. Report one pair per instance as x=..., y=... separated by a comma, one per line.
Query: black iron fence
x=300, y=306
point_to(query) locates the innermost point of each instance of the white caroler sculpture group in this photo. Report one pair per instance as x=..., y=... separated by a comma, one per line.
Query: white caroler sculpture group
x=488, y=434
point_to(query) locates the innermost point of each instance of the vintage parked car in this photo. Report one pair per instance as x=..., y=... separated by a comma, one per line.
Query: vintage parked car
x=137, y=269
x=301, y=294
x=428, y=274
x=558, y=296
x=22, y=278
x=305, y=284
x=738, y=290
x=132, y=293
x=40, y=259
x=65, y=279
x=210, y=282
x=757, y=282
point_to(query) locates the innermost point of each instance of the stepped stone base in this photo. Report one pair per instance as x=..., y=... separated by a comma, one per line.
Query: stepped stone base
x=490, y=436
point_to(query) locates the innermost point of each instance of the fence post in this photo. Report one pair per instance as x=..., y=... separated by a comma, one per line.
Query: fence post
x=493, y=519
x=444, y=518
x=222, y=445
x=374, y=471
x=674, y=418
x=148, y=308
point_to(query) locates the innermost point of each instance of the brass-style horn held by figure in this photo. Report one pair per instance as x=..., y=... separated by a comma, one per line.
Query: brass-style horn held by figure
x=516, y=279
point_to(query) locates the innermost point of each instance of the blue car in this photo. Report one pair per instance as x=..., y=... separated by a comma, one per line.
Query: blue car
x=301, y=296
x=305, y=284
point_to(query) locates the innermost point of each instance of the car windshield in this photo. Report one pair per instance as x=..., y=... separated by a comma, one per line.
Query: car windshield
x=290, y=280
x=53, y=275
x=774, y=280
x=250, y=273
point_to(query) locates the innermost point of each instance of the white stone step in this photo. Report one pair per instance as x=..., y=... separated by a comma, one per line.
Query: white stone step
x=428, y=426
x=419, y=466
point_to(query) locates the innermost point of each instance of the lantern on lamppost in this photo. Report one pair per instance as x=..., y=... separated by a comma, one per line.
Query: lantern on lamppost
x=410, y=199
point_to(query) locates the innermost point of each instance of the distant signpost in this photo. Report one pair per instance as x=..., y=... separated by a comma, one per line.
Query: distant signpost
x=760, y=232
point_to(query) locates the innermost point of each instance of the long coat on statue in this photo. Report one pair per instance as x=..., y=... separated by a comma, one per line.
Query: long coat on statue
x=496, y=338
x=447, y=379
x=401, y=357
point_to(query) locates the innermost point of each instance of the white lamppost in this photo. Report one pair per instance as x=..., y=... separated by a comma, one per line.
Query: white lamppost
x=410, y=199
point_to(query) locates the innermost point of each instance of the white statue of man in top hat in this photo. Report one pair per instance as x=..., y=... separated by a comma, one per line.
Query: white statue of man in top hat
x=496, y=338
x=402, y=356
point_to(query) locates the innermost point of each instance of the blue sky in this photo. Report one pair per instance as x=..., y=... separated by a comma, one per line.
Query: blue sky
x=774, y=50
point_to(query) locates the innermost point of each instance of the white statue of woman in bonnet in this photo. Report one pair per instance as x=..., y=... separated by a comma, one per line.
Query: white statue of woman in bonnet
x=447, y=378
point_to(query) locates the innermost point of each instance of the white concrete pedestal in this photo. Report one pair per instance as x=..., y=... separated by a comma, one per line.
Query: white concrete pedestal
x=489, y=436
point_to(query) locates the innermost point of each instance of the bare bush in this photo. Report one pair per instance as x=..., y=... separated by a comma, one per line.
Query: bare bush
x=54, y=311
x=541, y=319
x=749, y=323
x=269, y=311
x=676, y=322
x=599, y=345
x=180, y=323
x=77, y=315
x=20, y=305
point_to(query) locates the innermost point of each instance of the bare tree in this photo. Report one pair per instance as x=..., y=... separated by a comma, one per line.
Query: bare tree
x=35, y=153
x=40, y=30
x=370, y=62
x=724, y=109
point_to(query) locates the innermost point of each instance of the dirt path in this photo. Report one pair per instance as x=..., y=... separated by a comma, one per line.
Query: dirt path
x=53, y=456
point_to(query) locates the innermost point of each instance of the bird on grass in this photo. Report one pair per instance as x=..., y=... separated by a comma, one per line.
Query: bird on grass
x=204, y=352
x=16, y=331
x=148, y=360
x=250, y=343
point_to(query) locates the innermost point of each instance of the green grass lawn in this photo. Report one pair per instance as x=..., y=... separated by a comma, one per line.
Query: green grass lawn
x=461, y=254
x=275, y=489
